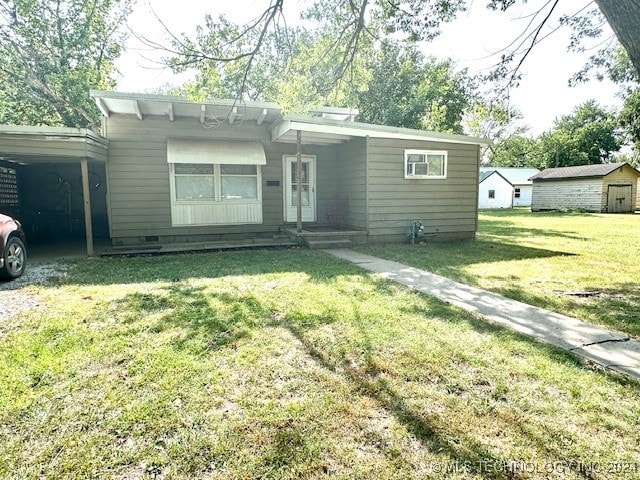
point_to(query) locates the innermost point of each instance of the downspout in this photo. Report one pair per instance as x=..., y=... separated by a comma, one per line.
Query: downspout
x=299, y=181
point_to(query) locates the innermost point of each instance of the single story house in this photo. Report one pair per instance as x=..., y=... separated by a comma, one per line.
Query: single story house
x=505, y=187
x=165, y=170
x=606, y=188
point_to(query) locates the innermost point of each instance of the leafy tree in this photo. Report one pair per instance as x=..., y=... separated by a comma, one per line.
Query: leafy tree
x=407, y=90
x=586, y=136
x=513, y=151
x=53, y=52
x=390, y=84
x=495, y=120
x=352, y=26
x=220, y=37
x=630, y=119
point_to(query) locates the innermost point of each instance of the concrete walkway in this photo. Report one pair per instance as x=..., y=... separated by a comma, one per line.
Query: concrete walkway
x=610, y=349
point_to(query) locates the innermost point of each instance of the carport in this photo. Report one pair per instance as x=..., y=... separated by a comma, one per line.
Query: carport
x=49, y=177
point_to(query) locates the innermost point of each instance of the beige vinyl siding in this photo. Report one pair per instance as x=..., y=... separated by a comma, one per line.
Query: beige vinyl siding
x=51, y=148
x=585, y=194
x=446, y=207
x=326, y=187
x=139, y=193
x=622, y=176
x=351, y=171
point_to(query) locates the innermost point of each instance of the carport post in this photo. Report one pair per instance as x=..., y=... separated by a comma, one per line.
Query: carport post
x=299, y=181
x=86, y=196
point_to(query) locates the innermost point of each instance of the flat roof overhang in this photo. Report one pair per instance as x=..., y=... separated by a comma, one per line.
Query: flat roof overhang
x=28, y=145
x=207, y=111
x=327, y=132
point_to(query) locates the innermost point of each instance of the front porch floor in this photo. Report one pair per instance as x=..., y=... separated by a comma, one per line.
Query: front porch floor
x=159, y=249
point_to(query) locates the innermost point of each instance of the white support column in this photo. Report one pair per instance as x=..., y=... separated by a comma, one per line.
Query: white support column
x=86, y=196
x=299, y=181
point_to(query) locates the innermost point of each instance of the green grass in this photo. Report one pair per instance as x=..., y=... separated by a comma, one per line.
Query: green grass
x=542, y=259
x=287, y=365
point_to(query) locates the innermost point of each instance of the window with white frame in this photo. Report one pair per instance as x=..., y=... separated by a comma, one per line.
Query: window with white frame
x=195, y=182
x=215, y=182
x=516, y=193
x=492, y=194
x=425, y=164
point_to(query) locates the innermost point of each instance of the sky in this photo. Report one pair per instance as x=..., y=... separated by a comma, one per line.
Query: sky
x=470, y=40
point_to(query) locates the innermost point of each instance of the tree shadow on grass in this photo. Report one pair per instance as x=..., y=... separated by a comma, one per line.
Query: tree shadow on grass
x=192, y=312
x=451, y=259
x=206, y=328
x=503, y=228
x=368, y=380
x=180, y=266
x=370, y=376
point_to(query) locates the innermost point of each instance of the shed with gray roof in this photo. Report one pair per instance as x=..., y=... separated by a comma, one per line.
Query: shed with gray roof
x=602, y=188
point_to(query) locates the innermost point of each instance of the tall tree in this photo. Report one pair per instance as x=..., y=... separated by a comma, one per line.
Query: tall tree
x=353, y=24
x=587, y=136
x=497, y=121
x=407, y=90
x=392, y=85
x=624, y=18
x=53, y=52
x=630, y=121
x=513, y=151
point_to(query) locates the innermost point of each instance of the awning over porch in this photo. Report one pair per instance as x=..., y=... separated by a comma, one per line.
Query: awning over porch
x=323, y=131
x=29, y=145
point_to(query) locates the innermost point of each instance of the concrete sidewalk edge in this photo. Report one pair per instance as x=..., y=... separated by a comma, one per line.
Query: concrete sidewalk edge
x=608, y=348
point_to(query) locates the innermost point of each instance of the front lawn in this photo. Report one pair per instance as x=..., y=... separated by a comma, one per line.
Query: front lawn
x=290, y=364
x=583, y=265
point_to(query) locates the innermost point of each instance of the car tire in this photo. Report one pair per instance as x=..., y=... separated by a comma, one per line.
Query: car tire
x=15, y=259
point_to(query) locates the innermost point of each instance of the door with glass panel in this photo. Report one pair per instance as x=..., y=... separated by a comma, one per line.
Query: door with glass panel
x=307, y=188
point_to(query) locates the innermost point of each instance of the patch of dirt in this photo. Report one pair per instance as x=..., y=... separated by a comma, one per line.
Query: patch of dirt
x=14, y=295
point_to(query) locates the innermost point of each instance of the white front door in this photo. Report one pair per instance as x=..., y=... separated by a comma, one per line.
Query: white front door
x=307, y=188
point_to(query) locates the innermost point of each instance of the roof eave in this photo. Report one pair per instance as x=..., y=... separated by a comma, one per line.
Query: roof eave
x=227, y=102
x=357, y=129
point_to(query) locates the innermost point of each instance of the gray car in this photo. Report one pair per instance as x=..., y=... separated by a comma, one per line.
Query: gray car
x=13, y=251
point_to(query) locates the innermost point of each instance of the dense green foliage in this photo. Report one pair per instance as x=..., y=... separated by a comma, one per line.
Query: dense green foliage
x=390, y=84
x=407, y=90
x=53, y=52
x=588, y=135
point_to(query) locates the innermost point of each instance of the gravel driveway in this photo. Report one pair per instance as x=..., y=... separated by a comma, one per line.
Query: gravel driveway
x=15, y=296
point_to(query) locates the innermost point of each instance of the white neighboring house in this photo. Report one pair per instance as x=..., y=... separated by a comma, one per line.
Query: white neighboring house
x=505, y=187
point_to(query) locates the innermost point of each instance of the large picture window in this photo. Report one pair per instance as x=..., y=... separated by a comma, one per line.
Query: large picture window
x=215, y=183
x=425, y=164
x=195, y=182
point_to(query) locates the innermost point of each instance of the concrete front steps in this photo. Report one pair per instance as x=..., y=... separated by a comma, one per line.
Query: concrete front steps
x=317, y=237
